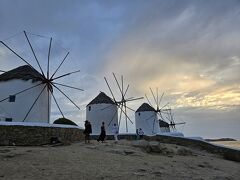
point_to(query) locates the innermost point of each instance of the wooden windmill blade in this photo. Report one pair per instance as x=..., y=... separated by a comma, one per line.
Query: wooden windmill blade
x=112, y=118
x=154, y=97
x=126, y=117
x=126, y=90
x=60, y=65
x=122, y=103
x=45, y=79
x=9, y=48
x=148, y=100
x=22, y=91
x=134, y=99
x=34, y=103
x=171, y=118
x=160, y=100
x=55, y=100
x=110, y=89
x=34, y=54
x=180, y=123
x=121, y=90
x=162, y=108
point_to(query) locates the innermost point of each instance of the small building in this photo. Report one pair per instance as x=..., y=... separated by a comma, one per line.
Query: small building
x=17, y=88
x=164, y=126
x=146, y=119
x=102, y=109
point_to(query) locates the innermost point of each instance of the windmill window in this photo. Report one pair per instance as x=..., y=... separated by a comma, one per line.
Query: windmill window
x=8, y=119
x=139, y=114
x=12, y=98
x=89, y=108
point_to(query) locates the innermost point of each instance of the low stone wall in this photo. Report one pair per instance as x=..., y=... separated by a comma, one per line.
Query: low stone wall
x=120, y=136
x=227, y=153
x=36, y=135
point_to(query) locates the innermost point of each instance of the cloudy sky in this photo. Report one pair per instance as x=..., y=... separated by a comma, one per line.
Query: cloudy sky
x=188, y=49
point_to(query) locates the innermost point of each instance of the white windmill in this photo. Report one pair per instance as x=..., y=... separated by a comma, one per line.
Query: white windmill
x=26, y=92
x=102, y=109
x=154, y=120
x=105, y=109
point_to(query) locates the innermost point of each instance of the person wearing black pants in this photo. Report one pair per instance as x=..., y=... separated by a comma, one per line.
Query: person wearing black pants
x=102, y=135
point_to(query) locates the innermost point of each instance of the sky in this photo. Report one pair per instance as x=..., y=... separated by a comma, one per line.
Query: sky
x=190, y=50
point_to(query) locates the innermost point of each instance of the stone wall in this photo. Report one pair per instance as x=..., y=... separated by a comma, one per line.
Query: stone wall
x=36, y=135
x=120, y=136
x=227, y=153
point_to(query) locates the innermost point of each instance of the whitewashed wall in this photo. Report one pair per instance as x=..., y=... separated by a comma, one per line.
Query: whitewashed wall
x=96, y=116
x=164, y=129
x=18, y=109
x=144, y=121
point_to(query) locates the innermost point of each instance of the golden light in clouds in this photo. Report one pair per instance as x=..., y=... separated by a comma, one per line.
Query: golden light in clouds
x=185, y=83
x=217, y=99
x=178, y=82
x=207, y=96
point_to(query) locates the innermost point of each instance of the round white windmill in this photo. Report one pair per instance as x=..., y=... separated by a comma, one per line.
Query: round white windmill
x=102, y=109
x=26, y=92
x=142, y=118
x=152, y=120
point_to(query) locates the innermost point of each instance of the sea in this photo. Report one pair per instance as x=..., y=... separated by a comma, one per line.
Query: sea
x=231, y=144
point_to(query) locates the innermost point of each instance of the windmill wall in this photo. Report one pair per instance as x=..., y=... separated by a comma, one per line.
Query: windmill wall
x=98, y=113
x=145, y=120
x=164, y=129
x=18, y=109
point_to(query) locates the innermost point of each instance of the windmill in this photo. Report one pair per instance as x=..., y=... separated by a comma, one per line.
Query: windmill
x=122, y=102
x=151, y=117
x=160, y=110
x=43, y=81
x=169, y=117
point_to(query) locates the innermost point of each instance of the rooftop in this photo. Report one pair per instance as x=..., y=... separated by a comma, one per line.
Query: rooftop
x=22, y=72
x=145, y=107
x=101, y=98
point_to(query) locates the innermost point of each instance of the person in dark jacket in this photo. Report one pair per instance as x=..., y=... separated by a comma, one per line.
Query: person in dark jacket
x=87, y=131
x=140, y=133
x=102, y=135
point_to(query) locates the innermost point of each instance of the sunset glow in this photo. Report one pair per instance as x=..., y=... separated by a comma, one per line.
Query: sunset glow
x=189, y=50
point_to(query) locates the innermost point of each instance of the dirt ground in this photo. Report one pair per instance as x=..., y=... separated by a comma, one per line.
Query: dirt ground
x=124, y=160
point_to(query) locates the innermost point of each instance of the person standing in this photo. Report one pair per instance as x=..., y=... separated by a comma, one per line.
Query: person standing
x=140, y=133
x=115, y=132
x=138, y=137
x=102, y=135
x=87, y=131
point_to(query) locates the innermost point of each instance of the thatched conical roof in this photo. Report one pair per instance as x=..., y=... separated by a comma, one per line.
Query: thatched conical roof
x=101, y=98
x=145, y=107
x=22, y=72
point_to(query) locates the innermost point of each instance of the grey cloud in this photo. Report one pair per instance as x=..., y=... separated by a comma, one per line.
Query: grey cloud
x=143, y=40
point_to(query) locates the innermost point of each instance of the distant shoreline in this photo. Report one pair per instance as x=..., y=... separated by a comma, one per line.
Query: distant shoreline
x=220, y=139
